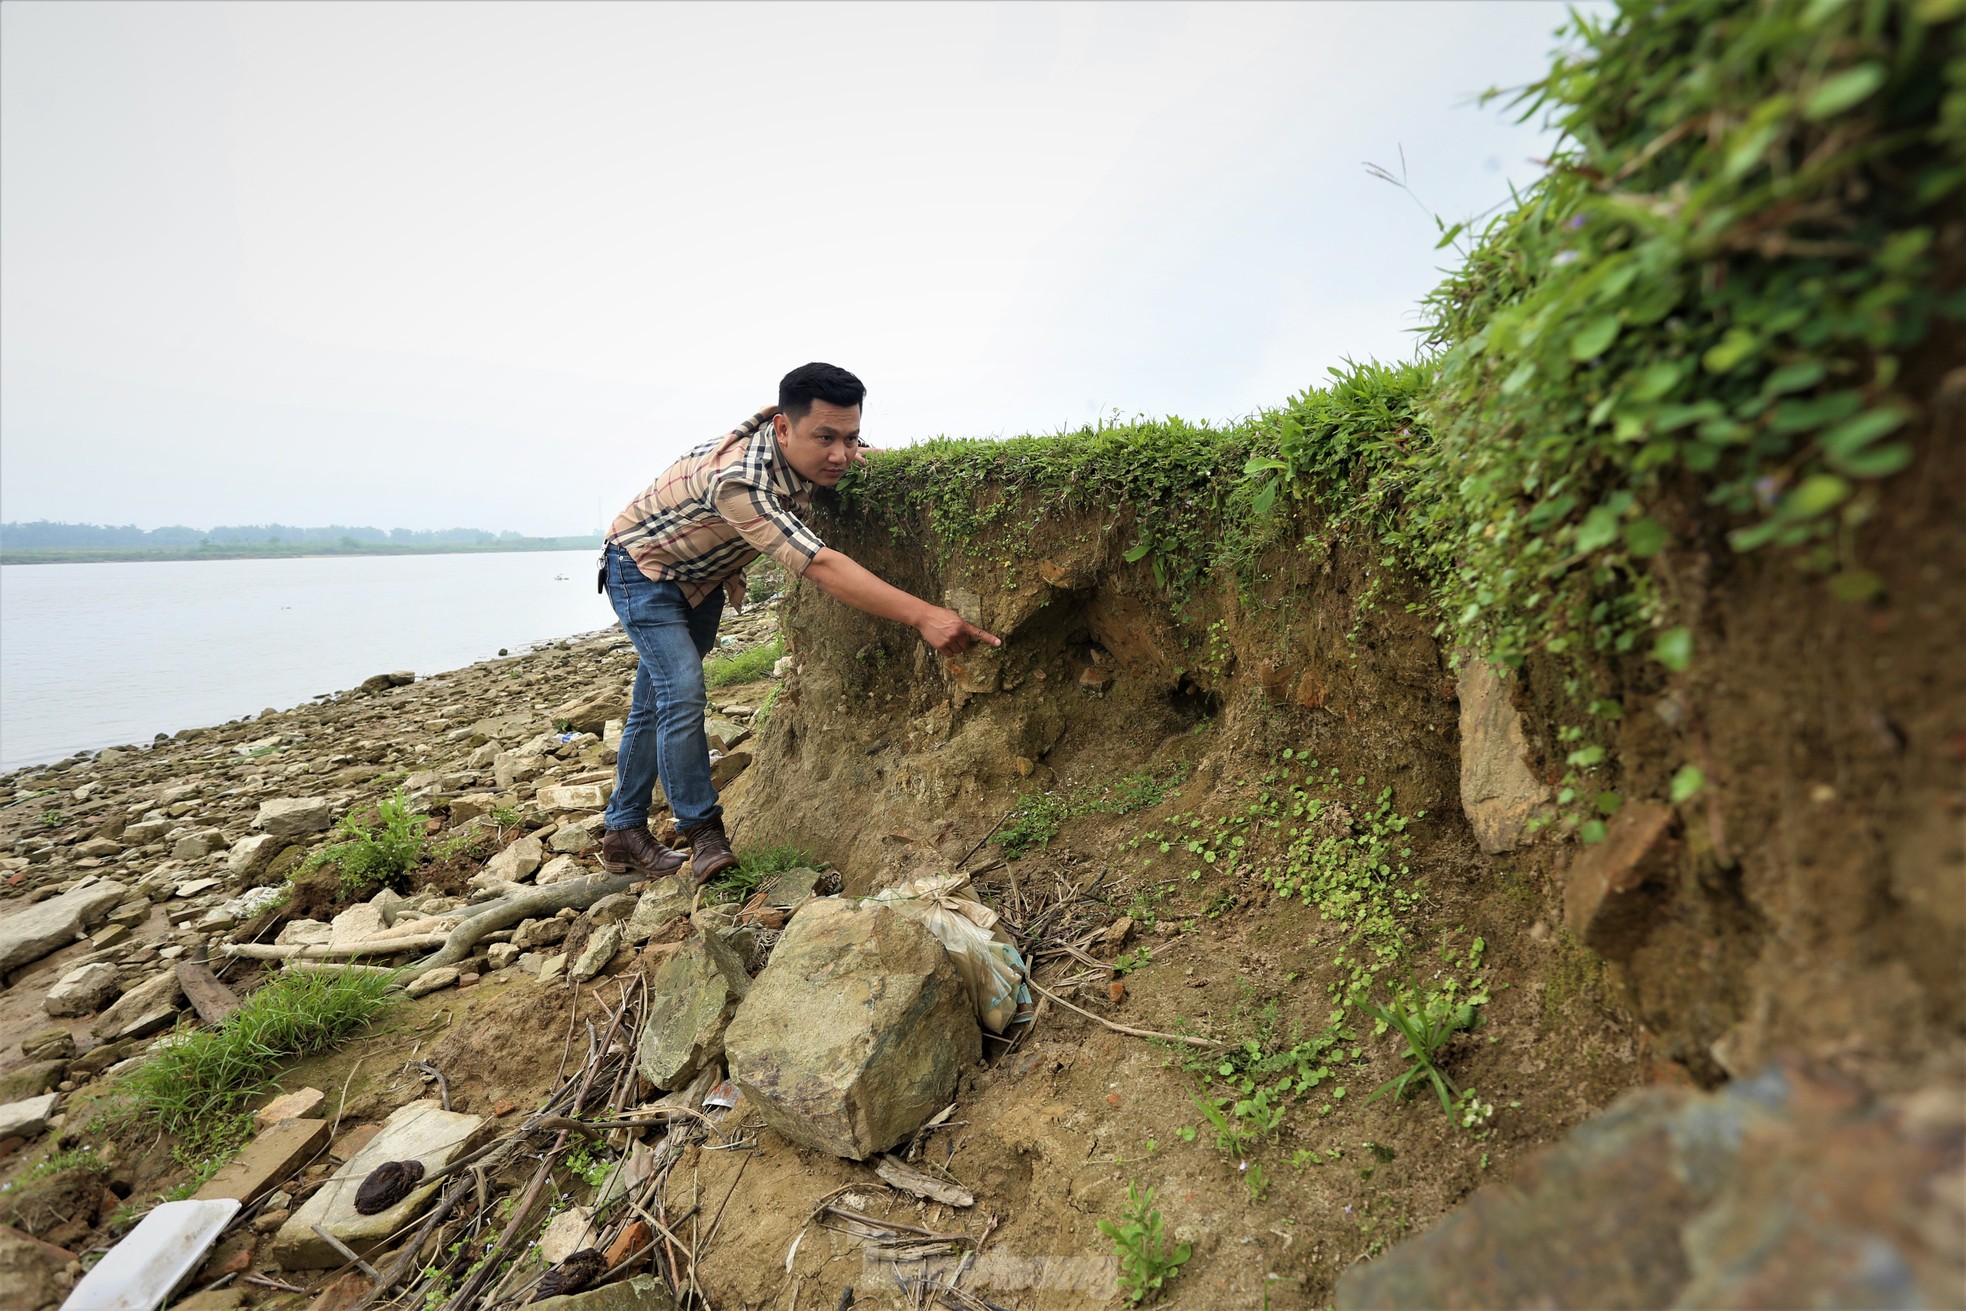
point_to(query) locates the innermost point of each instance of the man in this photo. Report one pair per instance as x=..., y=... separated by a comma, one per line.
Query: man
x=679, y=549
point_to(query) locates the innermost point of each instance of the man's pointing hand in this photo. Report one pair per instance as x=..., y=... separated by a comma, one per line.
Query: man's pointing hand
x=951, y=634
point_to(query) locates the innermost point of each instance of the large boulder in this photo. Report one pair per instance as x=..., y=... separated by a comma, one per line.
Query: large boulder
x=293, y=817
x=1498, y=792
x=28, y=934
x=1785, y=1189
x=855, y=1033
x=692, y=997
x=251, y=855
x=518, y=862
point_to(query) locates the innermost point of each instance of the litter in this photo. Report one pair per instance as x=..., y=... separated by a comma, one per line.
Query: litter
x=981, y=951
x=143, y=1270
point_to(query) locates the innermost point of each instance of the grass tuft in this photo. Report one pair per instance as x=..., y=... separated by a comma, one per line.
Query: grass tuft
x=745, y=666
x=199, y=1086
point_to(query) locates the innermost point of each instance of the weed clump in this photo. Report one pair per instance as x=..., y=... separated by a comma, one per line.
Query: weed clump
x=198, y=1088
x=744, y=667
x=1139, y=1239
x=373, y=854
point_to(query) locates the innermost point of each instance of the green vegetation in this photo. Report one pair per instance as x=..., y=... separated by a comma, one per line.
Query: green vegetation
x=1039, y=815
x=1139, y=1240
x=1426, y=1030
x=744, y=667
x=752, y=869
x=375, y=853
x=197, y=1089
x=1698, y=320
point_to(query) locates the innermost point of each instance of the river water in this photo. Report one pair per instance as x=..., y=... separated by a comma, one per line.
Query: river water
x=95, y=655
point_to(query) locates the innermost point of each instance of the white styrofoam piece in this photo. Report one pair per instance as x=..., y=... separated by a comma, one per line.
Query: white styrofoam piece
x=153, y=1258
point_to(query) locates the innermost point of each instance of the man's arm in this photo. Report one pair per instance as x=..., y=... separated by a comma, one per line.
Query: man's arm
x=840, y=578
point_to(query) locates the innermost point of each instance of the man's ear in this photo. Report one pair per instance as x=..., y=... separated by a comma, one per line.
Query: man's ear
x=781, y=427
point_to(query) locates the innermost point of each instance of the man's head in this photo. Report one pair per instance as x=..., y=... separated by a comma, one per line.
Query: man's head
x=818, y=422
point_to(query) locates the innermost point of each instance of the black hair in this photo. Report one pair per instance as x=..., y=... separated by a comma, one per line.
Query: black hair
x=798, y=389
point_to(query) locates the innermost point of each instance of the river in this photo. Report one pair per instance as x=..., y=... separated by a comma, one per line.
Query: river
x=95, y=655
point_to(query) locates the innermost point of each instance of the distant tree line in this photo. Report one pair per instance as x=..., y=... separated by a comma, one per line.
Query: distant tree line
x=42, y=535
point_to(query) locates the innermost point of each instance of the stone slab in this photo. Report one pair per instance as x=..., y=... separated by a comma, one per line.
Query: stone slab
x=27, y=1119
x=269, y=1159
x=421, y=1131
x=1499, y=793
x=28, y=934
x=300, y=1104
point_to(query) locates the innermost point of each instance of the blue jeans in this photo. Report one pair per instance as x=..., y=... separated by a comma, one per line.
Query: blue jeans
x=663, y=737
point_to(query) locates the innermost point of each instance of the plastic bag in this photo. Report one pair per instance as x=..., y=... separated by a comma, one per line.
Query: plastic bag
x=983, y=954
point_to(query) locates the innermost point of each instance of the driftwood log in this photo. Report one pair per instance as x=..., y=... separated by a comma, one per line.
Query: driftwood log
x=480, y=923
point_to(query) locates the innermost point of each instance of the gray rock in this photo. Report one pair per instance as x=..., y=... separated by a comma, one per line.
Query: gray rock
x=594, y=956
x=444, y=976
x=518, y=862
x=98, y=848
x=576, y=796
x=83, y=991
x=146, y=1008
x=635, y=1293
x=577, y=836
x=27, y=1119
x=855, y=1032
x=539, y=933
x=667, y=900
x=251, y=855
x=32, y=1079
x=28, y=934
x=692, y=997
x=501, y=955
x=1498, y=792
x=1784, y=1189
x=293, y=817
x=55, y=1043
x=590, y=713
x=560, y=869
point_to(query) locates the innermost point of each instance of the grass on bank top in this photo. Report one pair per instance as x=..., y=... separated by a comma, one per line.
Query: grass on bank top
x=199, y=1086
x=745, y=666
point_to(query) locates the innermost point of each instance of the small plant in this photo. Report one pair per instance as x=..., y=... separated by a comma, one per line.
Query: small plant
x=1140, y=1243
x=765, y=710
x=53, y=819
x=1427, y=1030
x=372, y=855
x=744, y=667
x=591, y=1163
x=1033, y=824
x=749, y=874
x=507, y=816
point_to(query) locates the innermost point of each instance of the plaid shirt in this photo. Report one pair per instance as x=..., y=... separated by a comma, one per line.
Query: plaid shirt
x=717, y=509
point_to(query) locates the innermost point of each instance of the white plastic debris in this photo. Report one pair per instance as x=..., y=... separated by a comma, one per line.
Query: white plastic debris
x=154, y=1258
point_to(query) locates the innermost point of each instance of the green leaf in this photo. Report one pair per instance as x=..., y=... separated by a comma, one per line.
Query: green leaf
x=1599, y=529
x=1877, y=462
x=1730, y=350
x=1447, y=237
x=1687, y=782
x=1844, y=91
x=1674, y=649
x=1609, y=803
x=1855, y=585
x=1262, y=464
x=1591, y=832
x=1815, y=495
x=1585, y=757
x=1139, y=552
x=1800, y=376
x=1853, y=434
x=1264, y=499
x=1595, y=337
x=1645, y=538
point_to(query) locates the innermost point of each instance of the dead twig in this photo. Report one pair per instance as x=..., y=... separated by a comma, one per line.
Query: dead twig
x=1203, y=1043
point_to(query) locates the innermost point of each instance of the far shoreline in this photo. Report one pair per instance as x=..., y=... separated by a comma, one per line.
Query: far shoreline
x=79, y=754
x=299, y=551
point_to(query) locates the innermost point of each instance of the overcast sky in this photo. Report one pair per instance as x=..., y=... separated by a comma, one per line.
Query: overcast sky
x=494, y=265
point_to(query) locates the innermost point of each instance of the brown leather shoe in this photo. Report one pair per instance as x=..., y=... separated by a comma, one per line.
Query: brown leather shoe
x=709, y=850
x=635, y=849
